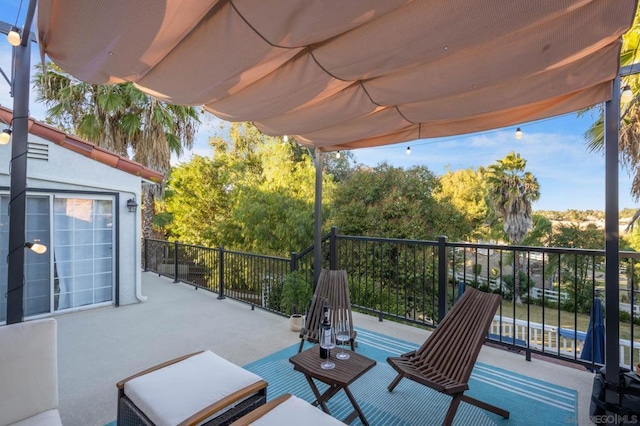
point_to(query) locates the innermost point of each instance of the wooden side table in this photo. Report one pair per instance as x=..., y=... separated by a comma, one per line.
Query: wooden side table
x=340, y=377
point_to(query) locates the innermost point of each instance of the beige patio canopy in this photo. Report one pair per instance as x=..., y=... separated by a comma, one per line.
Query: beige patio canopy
x=341, y=74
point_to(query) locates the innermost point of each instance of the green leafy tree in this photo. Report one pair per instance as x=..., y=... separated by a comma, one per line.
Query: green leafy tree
x=541, y=233
x=466, y=190
x=511, y=191
x=274, y=209
x=339, y=167
x=197, y=199
x=121, y=119
x=387, y=201
x=631, y=241
x=256, y=194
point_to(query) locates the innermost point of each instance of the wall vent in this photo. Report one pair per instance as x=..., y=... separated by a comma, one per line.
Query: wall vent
x=38, y=151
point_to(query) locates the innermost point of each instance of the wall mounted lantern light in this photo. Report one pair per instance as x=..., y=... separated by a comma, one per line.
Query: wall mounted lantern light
x=132, y=205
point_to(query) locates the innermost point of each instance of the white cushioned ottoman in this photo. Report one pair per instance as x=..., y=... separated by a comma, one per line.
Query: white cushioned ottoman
x=201, y=388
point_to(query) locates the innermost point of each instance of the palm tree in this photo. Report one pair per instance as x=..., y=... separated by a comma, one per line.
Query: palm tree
x=629, y=133
x=511, y=191
x=122, y=119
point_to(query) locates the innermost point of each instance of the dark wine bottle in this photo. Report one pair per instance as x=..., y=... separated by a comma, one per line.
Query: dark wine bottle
x=326, y=325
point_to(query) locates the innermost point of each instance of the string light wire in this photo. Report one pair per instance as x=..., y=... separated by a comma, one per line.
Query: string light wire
x=458, y=137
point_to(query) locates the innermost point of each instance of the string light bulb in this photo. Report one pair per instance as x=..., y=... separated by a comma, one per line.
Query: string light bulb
x=408, y=150
x=36, y=247
x=5, y=136
x=285, y=138
x=626, y=95
x=338, y=154
x=518, y=133
x=14, y=37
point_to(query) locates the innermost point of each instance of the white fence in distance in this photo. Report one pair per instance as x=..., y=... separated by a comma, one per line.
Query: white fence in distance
x=556, y=340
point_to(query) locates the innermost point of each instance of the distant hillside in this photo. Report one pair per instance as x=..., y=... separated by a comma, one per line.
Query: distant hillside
x=583, y=215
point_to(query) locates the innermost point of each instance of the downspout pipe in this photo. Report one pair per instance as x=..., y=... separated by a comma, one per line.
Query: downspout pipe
x=138, y=252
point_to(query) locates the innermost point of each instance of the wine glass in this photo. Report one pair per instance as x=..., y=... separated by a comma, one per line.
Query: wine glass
x=328, y=342
x=343, y=335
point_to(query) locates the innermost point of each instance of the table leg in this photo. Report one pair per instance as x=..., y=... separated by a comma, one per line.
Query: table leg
x=358, y=412
x=321, y=398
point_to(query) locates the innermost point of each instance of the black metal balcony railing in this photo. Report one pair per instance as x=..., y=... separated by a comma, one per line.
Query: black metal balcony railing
x=418, y=281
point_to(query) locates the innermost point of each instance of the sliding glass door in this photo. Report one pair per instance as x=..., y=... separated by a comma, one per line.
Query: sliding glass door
x=83, y=251
x=78, y=268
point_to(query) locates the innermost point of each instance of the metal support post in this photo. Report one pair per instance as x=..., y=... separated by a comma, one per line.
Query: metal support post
x=175, y=262
x=442, y=277
x=18, y=167
x=221, y=273
x=333, y=255
x=612, y=256
x=317, y=228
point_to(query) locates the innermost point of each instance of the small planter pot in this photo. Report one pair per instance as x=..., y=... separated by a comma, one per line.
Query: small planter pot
x=296, y=322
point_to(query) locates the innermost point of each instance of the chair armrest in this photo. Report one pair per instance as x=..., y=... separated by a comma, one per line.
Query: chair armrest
x=120, y=384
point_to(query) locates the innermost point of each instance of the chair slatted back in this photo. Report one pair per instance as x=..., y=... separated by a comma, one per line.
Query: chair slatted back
x=332, y=290
x=452, y=349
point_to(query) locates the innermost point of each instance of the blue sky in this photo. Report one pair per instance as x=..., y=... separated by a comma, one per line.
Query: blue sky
x=570, y=177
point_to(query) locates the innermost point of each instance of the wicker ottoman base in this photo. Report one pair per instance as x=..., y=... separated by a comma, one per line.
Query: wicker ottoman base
x=130, y=415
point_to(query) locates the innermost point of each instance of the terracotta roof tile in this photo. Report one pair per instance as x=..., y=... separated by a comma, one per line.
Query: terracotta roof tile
x=85, y=148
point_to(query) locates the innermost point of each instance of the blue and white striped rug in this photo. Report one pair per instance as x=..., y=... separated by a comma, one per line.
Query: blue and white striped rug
x=530, y=401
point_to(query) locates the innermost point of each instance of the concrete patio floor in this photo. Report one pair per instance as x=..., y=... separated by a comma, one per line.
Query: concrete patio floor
x=99, y=347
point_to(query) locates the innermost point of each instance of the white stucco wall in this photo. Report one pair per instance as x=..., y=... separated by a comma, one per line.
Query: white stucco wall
x=66, y=170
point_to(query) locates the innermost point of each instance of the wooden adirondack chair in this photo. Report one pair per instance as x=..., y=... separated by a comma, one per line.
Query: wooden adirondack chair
x=445, y=361
x=332, y=290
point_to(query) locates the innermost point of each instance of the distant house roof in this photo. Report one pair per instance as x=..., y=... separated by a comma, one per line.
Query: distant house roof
x=85, y=148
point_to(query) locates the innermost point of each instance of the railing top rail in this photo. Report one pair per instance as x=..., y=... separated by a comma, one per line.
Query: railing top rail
x=550, y=250
x=259, y=256
x=158, y=241
x=388, y=240
x=536, y=249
